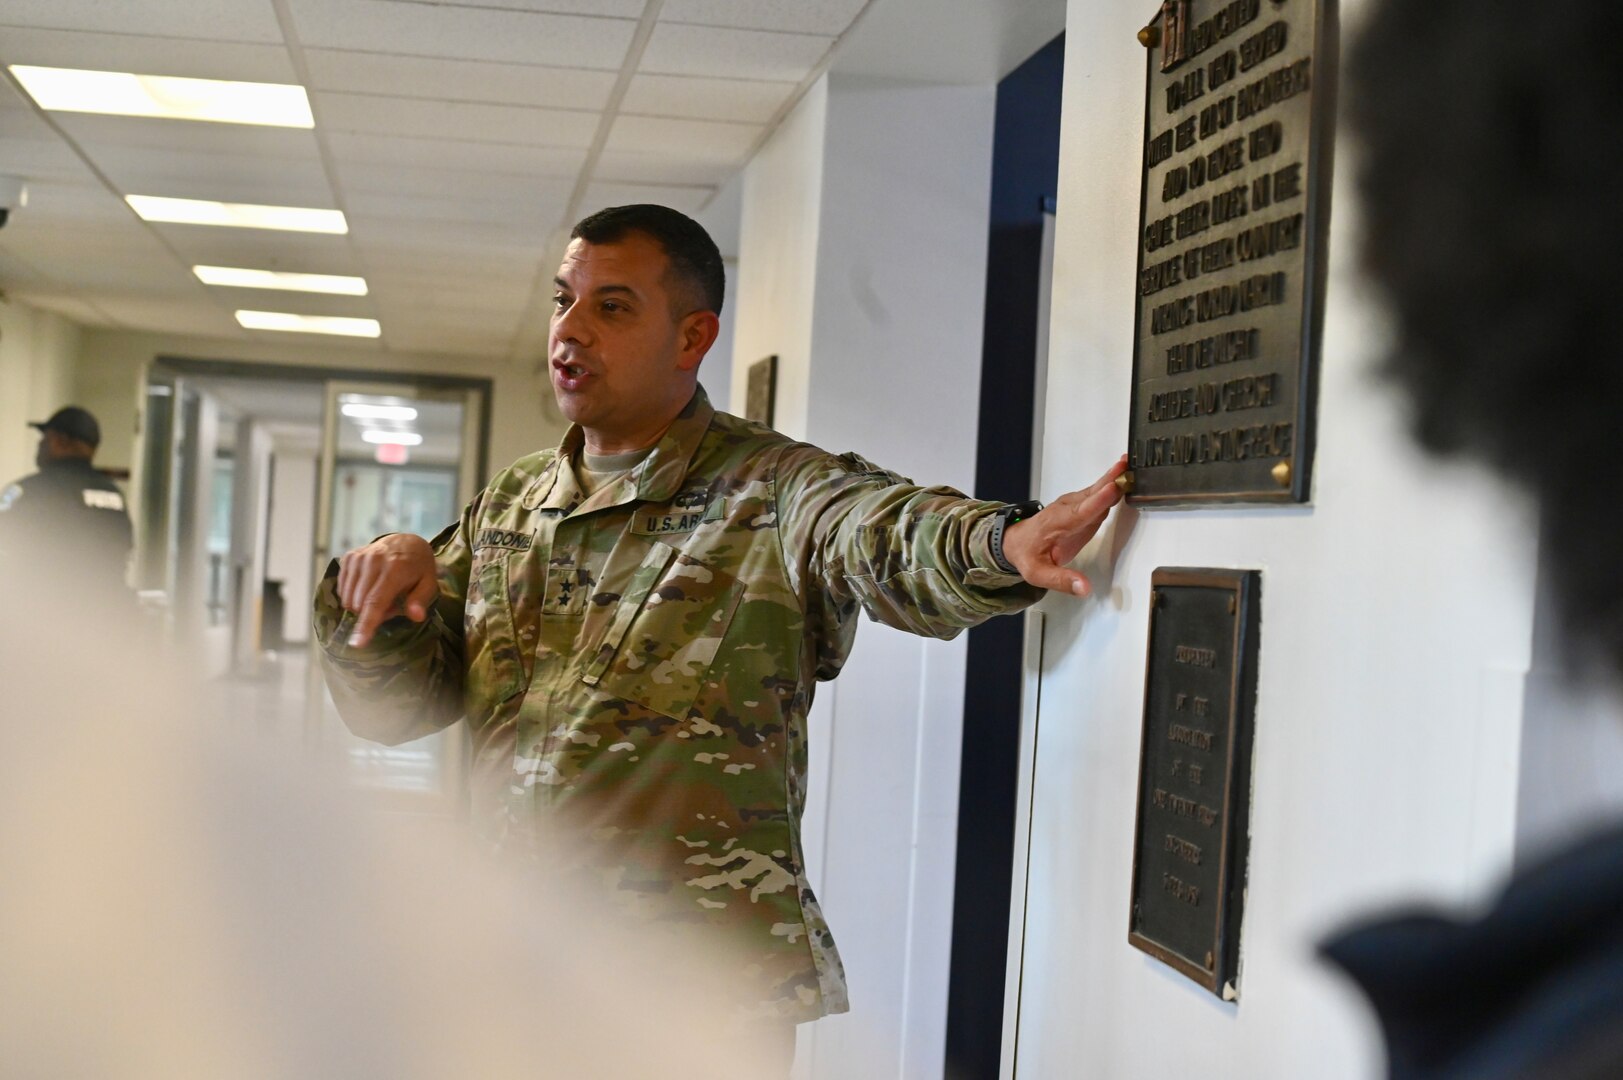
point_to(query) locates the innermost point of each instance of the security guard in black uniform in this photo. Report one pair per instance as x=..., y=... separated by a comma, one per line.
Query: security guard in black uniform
x=67, y=519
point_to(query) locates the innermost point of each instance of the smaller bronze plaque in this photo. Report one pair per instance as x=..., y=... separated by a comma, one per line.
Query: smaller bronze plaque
x=761, y=391
x=1194, y=786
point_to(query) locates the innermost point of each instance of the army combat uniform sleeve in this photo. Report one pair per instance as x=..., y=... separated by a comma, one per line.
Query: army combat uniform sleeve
x=408, y=681
x=914, y=558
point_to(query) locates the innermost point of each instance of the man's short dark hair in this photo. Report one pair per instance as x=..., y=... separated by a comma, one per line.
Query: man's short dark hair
x=1492, y=224
x=693, y=255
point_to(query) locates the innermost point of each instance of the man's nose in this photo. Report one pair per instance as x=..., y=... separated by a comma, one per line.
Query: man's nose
x=571, y=325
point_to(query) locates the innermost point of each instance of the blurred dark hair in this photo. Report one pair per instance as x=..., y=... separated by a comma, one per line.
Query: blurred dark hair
x=1493, y=224
x=694, y=256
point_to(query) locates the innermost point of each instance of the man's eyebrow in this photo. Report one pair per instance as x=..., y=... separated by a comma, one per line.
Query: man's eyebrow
x=624, y=290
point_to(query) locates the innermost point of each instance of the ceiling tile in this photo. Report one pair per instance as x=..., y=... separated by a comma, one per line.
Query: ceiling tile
x=472, y=310
x=632, y=166
x=448, y=185
x=146, y=55
x=827, y=17
x=16, y=270
x=369, y=233
x=539, y=212
x=232, y=178
x=126, y=276
x=705, y=99
x=473, y=121
x=463, y=33
x=71, y=306
x=680, y=49
x=472, y=262
x=86, y=237
x=187, y=136
x=400, y=153
x=362, y=307
x=168, y=316
x=58, y=202
x=439, y=288
x=47, y=158
x=623, y=9
x=686, y=199
x=459, y=80
x=701, y=140
x=453, y=344
x=259, y=248
x=212, y=20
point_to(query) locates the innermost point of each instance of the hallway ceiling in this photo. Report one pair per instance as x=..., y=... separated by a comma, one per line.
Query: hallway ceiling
x=461, y=139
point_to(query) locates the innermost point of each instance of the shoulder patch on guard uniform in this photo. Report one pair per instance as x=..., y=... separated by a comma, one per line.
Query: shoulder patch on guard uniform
x=10, y=496
x=97, y=499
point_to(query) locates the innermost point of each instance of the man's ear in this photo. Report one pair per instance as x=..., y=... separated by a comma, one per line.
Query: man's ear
x=696, y=333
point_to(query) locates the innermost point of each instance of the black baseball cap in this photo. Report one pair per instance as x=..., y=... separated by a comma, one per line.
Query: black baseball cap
x=74, y=422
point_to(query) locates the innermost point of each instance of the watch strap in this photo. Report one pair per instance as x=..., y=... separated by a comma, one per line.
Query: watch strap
x=1001, y=520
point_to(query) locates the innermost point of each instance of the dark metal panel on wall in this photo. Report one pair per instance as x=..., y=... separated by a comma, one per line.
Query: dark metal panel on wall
x=1233, y=219
x=1194, y=793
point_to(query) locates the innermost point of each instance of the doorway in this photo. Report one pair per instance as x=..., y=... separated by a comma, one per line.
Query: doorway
x=252, y=477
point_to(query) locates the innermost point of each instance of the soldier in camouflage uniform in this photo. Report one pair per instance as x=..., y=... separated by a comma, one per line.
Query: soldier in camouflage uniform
x=633, y=623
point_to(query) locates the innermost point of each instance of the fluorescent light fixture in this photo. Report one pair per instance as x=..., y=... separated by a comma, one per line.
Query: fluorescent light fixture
x=379, y=412
x=309, y=324
x=120, y=93
x=237, y=215
x=241, y=278
x=396, y=438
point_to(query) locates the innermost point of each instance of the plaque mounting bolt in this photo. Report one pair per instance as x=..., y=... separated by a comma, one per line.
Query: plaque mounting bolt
x=1126, y=481
x=1282, y=474
x=1150, y=36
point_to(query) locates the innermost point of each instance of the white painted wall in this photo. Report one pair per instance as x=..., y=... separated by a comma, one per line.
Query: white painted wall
x=778, y=225
x=292, y=525
x=38, y=352
x=864, y=243
x=250, y=513
x=1396, y=632
x=1572, y=745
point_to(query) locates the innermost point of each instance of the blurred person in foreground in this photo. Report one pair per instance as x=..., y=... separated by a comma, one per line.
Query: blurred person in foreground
x=68, y=518
x=634, y=623
x=1492, y=223
x=177, y=902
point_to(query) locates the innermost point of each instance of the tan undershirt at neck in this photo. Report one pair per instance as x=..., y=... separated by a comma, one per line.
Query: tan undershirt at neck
x=595, y=471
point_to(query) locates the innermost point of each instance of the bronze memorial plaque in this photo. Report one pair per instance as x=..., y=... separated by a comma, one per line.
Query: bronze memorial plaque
x=1194, y=784
x=1232, y=217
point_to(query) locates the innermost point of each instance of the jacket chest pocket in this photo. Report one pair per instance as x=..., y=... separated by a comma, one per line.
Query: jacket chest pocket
x=665, y=633
x=495, y=661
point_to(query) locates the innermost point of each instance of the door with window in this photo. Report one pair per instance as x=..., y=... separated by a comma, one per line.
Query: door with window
x=394, y=458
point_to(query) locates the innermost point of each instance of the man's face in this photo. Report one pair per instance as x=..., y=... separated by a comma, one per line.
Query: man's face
x=52, y=447
x=621, y=345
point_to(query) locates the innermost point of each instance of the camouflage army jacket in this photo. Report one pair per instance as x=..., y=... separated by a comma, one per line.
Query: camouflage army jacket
x=642, y=661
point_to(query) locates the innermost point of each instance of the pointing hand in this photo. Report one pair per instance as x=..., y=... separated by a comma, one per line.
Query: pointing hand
x=393, y=575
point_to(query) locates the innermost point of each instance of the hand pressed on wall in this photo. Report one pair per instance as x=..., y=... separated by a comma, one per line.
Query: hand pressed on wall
x=1041, y=545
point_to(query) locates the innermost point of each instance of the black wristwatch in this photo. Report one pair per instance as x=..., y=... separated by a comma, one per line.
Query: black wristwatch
x=1001, y=520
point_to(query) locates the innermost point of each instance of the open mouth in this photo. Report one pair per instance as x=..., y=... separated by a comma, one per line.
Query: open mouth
x=570, y=372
